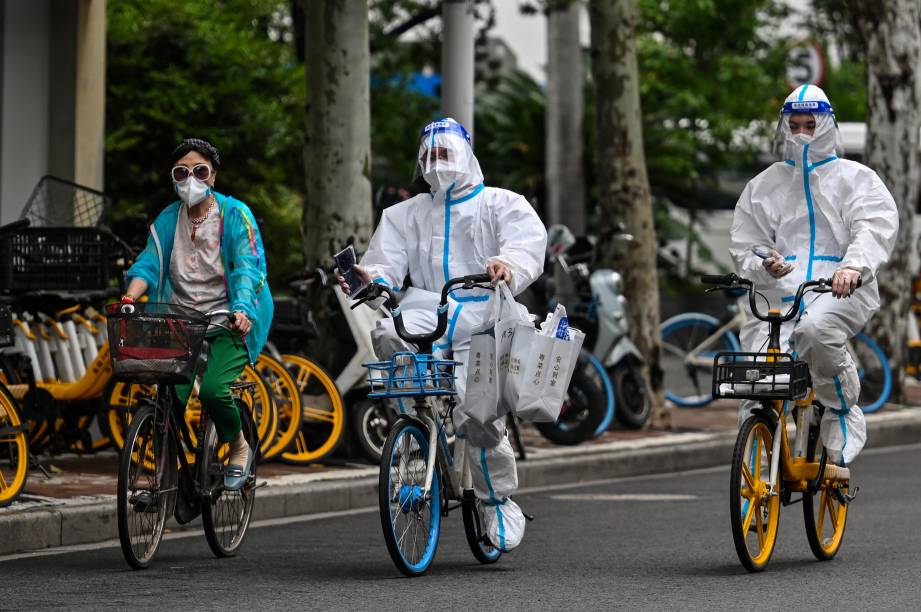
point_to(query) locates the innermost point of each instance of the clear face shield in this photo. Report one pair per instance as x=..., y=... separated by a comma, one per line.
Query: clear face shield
x=807, y=122
x=445, y=157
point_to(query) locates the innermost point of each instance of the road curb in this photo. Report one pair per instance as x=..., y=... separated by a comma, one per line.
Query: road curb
x=94, y=521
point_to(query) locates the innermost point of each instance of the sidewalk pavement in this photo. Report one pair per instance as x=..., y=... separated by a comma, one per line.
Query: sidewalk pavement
x=77, y=504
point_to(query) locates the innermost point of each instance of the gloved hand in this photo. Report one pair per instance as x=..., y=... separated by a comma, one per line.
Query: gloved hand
x=776, y=266
x=844, y=282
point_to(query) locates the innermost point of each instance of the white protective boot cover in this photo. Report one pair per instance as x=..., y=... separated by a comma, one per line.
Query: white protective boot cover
x=494, y=478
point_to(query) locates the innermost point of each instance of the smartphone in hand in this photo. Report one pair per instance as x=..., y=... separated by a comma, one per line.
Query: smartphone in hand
x=345, y=261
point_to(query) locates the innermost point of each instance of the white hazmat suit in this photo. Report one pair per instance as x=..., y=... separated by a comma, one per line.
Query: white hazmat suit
x=821, y=213
x=457, y=230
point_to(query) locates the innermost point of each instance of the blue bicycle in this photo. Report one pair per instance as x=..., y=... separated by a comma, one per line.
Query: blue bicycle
x=419, y=474
x=690, y=341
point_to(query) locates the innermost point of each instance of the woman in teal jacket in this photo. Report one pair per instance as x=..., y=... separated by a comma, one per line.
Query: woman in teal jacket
x=205, y=252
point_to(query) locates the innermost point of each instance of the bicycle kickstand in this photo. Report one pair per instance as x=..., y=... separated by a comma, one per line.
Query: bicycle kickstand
x=36, y=464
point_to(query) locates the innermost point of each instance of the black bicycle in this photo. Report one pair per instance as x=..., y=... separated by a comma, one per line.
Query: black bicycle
x=162, y=469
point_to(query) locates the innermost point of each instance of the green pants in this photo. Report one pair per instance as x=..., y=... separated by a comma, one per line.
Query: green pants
x=227, y=357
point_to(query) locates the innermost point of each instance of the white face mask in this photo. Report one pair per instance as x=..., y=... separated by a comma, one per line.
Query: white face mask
x=192, y=191
x=441, y=176
x=801, y=140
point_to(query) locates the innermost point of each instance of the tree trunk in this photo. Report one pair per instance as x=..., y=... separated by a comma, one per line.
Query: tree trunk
x=891, y=31
x=623, y=186
x=337, y=139
x=565, y=183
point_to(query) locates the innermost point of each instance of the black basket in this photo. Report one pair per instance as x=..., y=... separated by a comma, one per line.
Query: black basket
x=6, y=326
x=752, y=376
x=292, y=316
x=60, y=258
x=155, y=343
x=58, y=203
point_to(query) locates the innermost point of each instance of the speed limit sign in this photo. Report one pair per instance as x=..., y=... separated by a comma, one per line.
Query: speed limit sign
x=805, y=64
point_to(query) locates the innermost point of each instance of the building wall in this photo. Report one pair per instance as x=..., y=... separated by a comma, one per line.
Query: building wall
x=24, y=129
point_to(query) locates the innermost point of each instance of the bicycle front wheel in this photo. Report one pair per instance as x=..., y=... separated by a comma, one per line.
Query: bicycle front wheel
x=753, y=511
x=14, y=450
x=688, y=348
x=226, y=514
x=410, y=516
x=146, y=488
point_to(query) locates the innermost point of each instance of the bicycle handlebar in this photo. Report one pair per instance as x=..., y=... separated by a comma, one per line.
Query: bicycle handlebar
x=733, y=281
x=375, y=290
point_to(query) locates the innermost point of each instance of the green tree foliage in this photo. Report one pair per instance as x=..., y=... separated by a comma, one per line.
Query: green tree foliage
x=707, y=70
x=223, y=70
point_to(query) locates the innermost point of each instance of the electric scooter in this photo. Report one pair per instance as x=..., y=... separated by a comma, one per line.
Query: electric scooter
x=600, y=311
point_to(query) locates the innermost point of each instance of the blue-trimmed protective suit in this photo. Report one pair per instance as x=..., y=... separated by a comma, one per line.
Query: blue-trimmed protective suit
x=457, y=230
x=821, y=213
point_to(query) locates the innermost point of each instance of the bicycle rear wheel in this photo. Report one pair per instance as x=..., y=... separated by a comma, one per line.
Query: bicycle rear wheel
x=410, y=518
x=146, y=488
x=824, y=515
x=14, y=450
x=226, y=514
x=472, y=509
x=753, y=512
x=687, y=385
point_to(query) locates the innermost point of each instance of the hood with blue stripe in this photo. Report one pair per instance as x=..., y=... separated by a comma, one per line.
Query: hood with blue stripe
x=446, y=160
x=825, y=142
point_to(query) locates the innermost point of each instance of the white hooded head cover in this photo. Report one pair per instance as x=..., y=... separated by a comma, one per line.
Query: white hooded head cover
x=808, y=99
x=446, y=160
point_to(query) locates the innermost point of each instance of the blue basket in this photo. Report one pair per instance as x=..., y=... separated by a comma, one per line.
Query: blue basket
x=411, y=375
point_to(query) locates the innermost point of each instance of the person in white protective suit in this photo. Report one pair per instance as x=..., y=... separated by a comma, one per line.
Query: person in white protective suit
x=460, y=228
x=822, y=217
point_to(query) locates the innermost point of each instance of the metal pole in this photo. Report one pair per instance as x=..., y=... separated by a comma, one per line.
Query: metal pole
x=457, y=62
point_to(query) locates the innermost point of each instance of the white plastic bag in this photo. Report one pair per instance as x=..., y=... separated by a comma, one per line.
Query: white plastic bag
x=487, y=363
x=540, y=367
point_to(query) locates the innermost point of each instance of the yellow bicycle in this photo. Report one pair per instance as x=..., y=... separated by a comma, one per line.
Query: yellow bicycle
x=766, y=467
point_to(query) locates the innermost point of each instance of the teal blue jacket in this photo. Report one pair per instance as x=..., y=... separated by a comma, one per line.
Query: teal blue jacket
x=241, y=253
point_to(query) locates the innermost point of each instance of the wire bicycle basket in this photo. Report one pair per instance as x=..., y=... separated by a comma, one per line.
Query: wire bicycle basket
x=58, y=203
x=61, y=258
x=155, y=342
x=752, y=376
x=411, y=375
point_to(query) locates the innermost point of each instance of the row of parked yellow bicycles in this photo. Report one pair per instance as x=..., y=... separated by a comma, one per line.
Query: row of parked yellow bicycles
x=57, y=390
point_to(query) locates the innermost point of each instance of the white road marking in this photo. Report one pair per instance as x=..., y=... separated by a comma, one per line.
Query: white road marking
x=643, y=497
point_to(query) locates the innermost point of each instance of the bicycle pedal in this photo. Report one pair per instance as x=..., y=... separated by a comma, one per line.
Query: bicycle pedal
x=845, y=498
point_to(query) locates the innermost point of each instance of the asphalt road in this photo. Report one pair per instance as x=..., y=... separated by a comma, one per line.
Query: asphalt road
x=646, y=543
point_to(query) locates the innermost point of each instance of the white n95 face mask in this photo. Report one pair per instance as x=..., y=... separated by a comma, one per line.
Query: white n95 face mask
x=192, y=191
x=801, y=140
x=441, y=176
